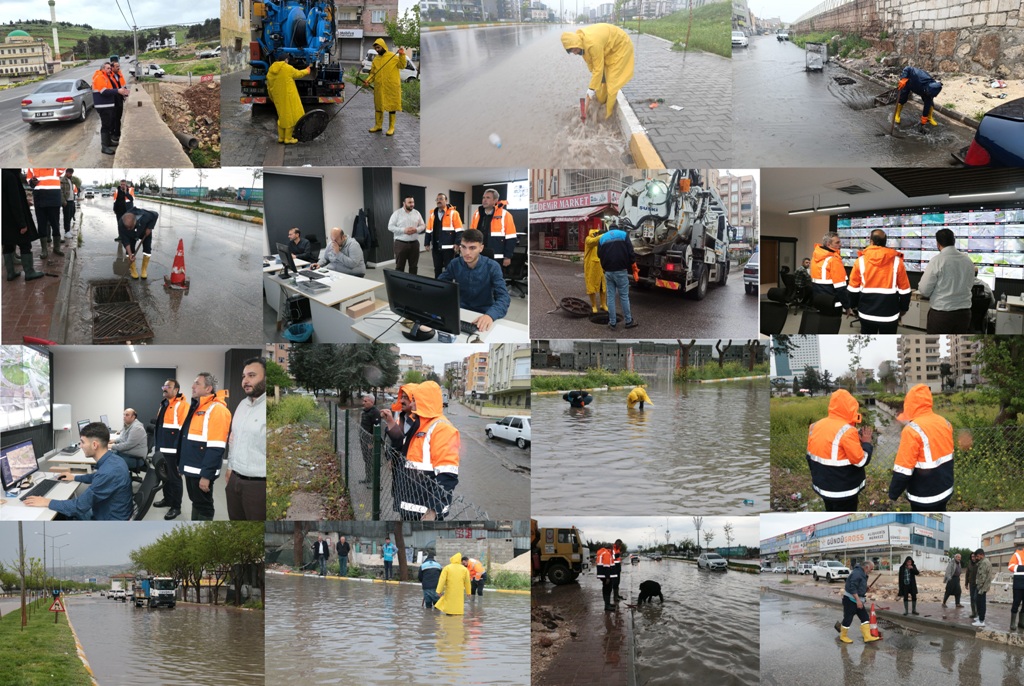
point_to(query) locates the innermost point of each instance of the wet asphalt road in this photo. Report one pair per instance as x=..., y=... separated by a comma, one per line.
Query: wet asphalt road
x=726, y=312
x=800, y=646
x=786, y=116
x=222, y=258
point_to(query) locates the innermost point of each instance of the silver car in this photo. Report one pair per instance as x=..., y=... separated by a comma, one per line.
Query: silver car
x=712, y=561
x=60, y=100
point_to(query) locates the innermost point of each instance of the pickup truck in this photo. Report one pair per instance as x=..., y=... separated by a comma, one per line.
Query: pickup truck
x=782, y=36
x=148, y=70
x=830, y=570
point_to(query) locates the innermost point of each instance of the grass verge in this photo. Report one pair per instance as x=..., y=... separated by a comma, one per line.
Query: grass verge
x=839, y=45
x=726, y=371
x=507, y=580
x=593, y=378
x=188, y=204
x=43, y=653
x=710, y=31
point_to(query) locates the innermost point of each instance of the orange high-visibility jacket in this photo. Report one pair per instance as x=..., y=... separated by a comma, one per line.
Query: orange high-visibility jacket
x=606, y=564
x=476, y=569
x=169, y=421
x=879, y=288
x=924, y=461
x=835, y=454
x=1016, y=566
x=500, y=236
x=435, y=447
x=828, y=276
x=450, y=231
x=48, y=178
x=202, y=446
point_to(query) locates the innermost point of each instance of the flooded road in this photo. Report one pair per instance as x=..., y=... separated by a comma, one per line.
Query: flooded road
x=130, y=646
x=222, y=258
x=786, y=116
x=706, y=631
x=355, y=632
x=517, y=82
x=799, y=646
x=700, y=448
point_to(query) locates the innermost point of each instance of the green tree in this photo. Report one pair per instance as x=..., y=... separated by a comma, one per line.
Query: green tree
x=277, y=376
x=784, y=559
x=827, y=382
x=1001, y=358
x=855, y=345
x=811, y=380
x=405, y=30
x=413, y=376
x=727, y=528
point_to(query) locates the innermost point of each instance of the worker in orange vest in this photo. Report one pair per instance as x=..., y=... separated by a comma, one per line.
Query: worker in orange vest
x=444, y=232
x=879, y=288
x=105, y=93
x=617, y=551
x=495, y=222
x=608, y=575
x=1016, y=567
x=837, y=454
x=828, y=275
x=47, y=198
x=924, y=461
x=434, y=448
x=477, y=574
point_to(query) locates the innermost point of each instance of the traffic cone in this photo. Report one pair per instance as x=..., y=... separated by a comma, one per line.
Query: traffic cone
x=177, y=279
x=873, y=623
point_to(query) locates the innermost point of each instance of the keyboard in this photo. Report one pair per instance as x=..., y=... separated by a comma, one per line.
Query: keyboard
x=41, y=488
x=70, y=450
x=310, y=274
x=312, y=286
x=467, y=327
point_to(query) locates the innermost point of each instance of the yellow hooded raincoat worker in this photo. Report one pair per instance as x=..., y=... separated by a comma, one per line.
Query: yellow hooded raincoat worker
x=593, y=274
x=285, y=96
x=387, y=85
x=453, y=587
x=608, y=52
x=636, y=396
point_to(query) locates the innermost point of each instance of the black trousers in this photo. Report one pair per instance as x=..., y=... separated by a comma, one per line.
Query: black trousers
x=202, y=502
x=69, y=216
x=606, y=592
x=867, y=326
x=850, y=609
x=48, y=223
x=441, y=259
x=930, y=507
x=841, y=504
x=106, y=123
x=172, y=487
x=952, y=321
x=1018, y=600
x=115, y=129
x=407, y=252
x=247, y=498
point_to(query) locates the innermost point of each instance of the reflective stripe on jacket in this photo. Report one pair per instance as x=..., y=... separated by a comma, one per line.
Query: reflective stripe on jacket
x=879, y=288
x=500, y=237
x=924, y=461
x=450, y=231
x=206, y=437
x=828, y=276
x=169, y=421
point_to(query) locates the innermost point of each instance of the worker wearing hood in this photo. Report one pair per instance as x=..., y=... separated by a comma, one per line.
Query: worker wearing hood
x=879, y=288
x=409, y=486
x=924, y=461
x=608, y=52
x=593, y=274
x=285, y=96
x=638, y=396
x=837, y=454
x=828, y=275
x=434, y=449
x=453, y=586
x=914, y=80
x=387, y=85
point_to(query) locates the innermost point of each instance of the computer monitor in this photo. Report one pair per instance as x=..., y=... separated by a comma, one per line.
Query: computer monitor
x=287, y=260
x=987, y=279
x=82, y=424
x=104, y=421
x=427, y=302
x=17, y=462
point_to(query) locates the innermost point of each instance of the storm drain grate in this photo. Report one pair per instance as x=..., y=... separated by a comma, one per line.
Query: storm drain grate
x=116, y=317
x=843, y=80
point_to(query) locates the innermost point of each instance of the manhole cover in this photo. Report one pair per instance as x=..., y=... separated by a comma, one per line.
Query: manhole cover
x=116, y=317
x=104, y=292
x=843, y=80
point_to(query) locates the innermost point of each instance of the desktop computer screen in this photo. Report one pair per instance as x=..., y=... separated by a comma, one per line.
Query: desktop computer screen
x=287, y=260
x=17, y=461
x=104, y=421
x=426, y=301
x=82, y=424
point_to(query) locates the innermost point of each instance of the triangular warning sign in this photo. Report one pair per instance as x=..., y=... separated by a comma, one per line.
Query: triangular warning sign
x=57, y=606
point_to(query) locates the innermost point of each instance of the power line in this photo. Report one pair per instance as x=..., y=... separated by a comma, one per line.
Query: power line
x=117, y=2
x=130, y=11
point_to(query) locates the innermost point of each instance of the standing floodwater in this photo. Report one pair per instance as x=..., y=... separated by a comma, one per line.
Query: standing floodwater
x=326, y=631
x=187, y=645
x=700, y=448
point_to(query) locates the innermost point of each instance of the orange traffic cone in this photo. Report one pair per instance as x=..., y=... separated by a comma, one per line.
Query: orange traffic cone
x=873, y=623
x=177, y=279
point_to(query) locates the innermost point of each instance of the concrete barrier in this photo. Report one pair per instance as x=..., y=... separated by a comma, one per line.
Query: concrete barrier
x=146, y=141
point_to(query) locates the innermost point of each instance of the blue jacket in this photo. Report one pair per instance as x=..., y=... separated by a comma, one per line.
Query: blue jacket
x=921, y=82
x=109, y=496
x=615, y=251
x=481, y=289
x=389, y=550
x=430, y=572
x=857, y=583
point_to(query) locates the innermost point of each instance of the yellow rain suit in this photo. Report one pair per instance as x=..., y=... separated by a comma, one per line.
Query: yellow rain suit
x=285, y=96
x=608, y=52
x=454, y=586
x=593, y=275
x=387, y=84
x=636, y=396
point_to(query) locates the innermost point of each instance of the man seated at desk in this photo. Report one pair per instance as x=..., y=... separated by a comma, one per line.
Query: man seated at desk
x=299, y=247
x=481, y=283
x=131, y=444
x=988, y=291
x=343, y=255
x=109, y=496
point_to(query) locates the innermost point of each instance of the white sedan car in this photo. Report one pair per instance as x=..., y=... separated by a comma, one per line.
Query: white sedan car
x=515, y=428
x=739, y=39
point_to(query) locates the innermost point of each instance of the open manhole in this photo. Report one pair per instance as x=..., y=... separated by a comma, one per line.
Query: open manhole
x=843, y=80
x=116, y=317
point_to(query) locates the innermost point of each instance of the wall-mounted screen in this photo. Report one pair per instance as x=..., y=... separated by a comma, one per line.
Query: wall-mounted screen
x=24, y=387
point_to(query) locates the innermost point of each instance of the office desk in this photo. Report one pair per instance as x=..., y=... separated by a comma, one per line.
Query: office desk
x=376, y=323
x=75, y=459
x=917, y=316
x=272, y=286
x=330, y=323
x=1010, y=320
x=13, y=510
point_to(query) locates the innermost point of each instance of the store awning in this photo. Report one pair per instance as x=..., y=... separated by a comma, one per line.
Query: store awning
x=570, y=215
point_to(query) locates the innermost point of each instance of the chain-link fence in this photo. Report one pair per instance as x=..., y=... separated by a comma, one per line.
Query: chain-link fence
x=381, y=487
x=988, y=471
x=654, y=367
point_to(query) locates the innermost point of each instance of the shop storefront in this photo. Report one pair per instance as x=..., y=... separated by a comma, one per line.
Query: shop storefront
x=563, y=223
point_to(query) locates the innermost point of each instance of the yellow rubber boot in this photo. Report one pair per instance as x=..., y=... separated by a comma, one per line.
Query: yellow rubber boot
x=288, y=140
x=899, y=108
x=391, y=124
x=593, y=302
x=145, y=266
x=844, y=635
x=379, y=119
x=280, y=134
x=865, y=631
x=931, y=118
x=131, y=270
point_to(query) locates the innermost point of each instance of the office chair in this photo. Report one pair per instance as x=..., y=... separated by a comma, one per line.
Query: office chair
x=517, y=274
x=142, y=499
x=788, y=281
x=979, y=309
x=823, y=320
x=774, y=312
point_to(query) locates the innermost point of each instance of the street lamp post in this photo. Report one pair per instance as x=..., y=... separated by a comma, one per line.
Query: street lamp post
x=60, y=548
x=43, y=534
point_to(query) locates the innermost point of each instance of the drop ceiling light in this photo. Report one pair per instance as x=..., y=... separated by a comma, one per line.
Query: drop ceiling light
x=807, y=211
x=981, y=195
x=829, y=208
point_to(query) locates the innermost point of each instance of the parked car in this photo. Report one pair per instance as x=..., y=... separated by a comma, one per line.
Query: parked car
x=215, y=52
x=58, y=100
x=751, y=280
x=805, y=568
x=515, y=428
x=782, y=35
x=712, y=561
x=830, y=570
x=149, y=70
x=410, y=73
x=999, y=140
x=740, y=40
x=89, y=194
x=634, y=559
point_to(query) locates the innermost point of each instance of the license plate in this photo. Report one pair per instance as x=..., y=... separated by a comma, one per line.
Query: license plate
x=40, y=115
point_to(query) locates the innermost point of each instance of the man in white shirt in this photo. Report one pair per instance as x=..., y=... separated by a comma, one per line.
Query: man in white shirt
x=947, y=282
x=245, y=480
x=407, y=224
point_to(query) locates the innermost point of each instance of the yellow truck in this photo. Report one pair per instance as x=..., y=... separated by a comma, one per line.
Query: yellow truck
x=558, y=553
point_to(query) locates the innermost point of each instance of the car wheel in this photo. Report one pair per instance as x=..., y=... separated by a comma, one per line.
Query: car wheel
x=83, y=113
x=815, y=576
x=701, y=290
x=521, y=442
x=559, y=574
x=489, y=434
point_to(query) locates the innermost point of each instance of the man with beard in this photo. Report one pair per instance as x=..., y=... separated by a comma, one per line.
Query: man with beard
x=245, y=480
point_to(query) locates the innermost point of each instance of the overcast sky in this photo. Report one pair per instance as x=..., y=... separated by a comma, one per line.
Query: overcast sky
x=88, y=543
x=104, y=14
x=786, y=10
x=836, y=359
x=238, y=177
x=640, y=531
x=965, y=528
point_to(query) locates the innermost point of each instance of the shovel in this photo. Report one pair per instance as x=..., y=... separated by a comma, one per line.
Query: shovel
x=558, y=305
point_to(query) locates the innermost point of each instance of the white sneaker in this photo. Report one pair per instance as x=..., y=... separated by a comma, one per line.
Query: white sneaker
x=977, y=622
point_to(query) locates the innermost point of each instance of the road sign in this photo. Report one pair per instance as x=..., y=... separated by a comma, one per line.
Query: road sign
x=57, y=606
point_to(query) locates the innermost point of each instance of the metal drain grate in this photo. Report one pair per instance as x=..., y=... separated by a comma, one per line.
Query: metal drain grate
x=116, y=317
